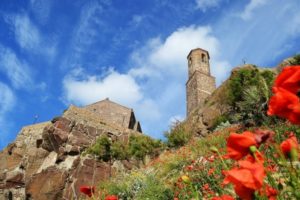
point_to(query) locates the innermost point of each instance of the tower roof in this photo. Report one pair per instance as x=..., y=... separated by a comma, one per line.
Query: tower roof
x=198, y=49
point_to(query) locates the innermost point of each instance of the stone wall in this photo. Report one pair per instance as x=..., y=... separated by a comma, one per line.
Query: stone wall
x=200, y=84
x=198, y=88
x=113, y=113
x=51, y=153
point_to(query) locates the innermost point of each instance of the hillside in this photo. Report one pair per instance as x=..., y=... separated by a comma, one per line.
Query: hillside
x=193, y=164
x=79, y=149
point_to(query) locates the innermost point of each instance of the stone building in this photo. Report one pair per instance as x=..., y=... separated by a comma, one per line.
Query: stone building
x=114, y=113
x=200, y=83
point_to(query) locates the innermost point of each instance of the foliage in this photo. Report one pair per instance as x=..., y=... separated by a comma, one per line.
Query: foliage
x=249, y=92
x=137, y=186
x=296, y=60
x=119, y=150
x=219, y=120
x=101, y=148
x=261, y=163
x=142, y=145
x=177, y=136
x=137, y=147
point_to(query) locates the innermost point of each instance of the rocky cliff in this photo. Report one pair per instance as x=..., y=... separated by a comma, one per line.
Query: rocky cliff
x=45, y=161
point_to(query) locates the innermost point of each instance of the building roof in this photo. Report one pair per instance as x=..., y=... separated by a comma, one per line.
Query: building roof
x=197, y=49
x=107, y=100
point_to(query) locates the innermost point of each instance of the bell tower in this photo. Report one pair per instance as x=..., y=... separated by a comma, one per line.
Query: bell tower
x=200, y=83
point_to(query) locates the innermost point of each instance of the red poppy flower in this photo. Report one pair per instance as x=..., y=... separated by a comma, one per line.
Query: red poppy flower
x=285, y=102
x=223, y=197
x=87, y=190
x=270, y=192
x=255, y=157
x=111, y=197
x=289, y=144
x=246, y=179
x=238, y=144
x=211, y=171
x=289, y=79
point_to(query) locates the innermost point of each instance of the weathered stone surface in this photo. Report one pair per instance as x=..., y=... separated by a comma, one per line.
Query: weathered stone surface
x=200, y=84
x=62, y=124
x=77, y=138
x=49, y=161
x=88, y=172
x=45, y=161
x=47, y=185
x=35, y=159
x=15, y=179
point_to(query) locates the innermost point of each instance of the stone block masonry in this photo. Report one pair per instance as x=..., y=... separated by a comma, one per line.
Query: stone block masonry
x=200, y=83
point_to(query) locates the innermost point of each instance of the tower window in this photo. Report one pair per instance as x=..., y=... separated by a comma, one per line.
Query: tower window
x=203, y=58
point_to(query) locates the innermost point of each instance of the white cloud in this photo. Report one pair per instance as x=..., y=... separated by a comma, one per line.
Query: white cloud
x=160, y=57
x=28, y=36
x=207, y=4
x=155, y=85
x=7, y=99
x=174, y=119
x=262, y=40
x=86, y=32
x=136, y=20
x=16, y=70
x=250, y=7
x=41, y=9
x=85, y=89
x=7, y=102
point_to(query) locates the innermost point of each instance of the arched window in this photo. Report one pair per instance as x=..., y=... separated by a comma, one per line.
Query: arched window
x=10, y=195
x=203, y=59
x=190, y=61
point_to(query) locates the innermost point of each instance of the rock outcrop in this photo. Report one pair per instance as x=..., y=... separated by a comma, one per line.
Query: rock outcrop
x=46, y=163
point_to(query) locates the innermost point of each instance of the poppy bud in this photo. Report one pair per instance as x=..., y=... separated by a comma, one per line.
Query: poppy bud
x=252, y=149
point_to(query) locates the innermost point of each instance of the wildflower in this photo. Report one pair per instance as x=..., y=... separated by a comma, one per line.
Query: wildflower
x=211, y=171
x=238, y=144
x=246, y=179
x=205, y=187
x=111, y=197
x=262, y=136
x=285, y=102
x=289, y=147
x=87, y=190
x=190, y=167
x=289, y=79
x=185, y=179
x=223, y=197
x=255, y=157
x=270, y=192
x=211, y=158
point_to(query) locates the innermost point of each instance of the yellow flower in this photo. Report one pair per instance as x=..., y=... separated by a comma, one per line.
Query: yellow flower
x=186, y=179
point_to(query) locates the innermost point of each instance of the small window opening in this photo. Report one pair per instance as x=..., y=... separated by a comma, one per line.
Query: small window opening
x=203, y=58
x=10, y=195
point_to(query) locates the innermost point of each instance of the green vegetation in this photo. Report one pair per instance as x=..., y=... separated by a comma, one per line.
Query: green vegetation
x=142, y=145
x=296, y=60
x=249, y=92
x=138, y=186
x=219, y=120
x=138, y=147
x=158, y=179
x=101, y=148
x=178, y=135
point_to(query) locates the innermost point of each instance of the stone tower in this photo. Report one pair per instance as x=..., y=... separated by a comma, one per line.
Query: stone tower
x=200, y=83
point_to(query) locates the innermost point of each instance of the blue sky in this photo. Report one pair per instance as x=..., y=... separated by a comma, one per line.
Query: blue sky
x=54, y=53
